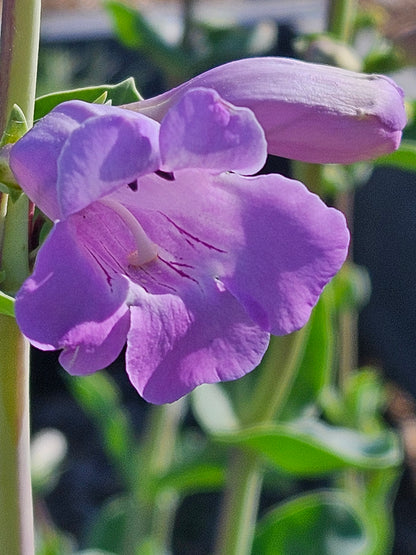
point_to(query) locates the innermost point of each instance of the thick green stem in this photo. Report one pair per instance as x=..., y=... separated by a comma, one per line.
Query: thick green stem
x=18, y=57
x=16, y=526
x=277, y=373
x=18, y=66
x=15, y=252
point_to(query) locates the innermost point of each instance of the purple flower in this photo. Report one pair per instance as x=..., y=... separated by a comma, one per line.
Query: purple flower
x=159, y=240
x=309, y=112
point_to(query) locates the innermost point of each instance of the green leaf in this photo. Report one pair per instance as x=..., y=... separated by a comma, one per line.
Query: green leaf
x=351, y=287
x=312, y=448
x=134, y=32
x=107, y=530
x=122, y=93
x=6, y=304
x=319, y=523
x=316, y=366
x=403, y=158
x=409, y=131
x=194, y=478
x=16, y=126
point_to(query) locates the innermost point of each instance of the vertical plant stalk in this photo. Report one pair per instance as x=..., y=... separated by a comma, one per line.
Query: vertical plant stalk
x=341, y=18
x=244, y=479
x=341, y=22
x=152, y=513
x=19, y=57
x=240, y=505
x=16, y=522
x=18, y=65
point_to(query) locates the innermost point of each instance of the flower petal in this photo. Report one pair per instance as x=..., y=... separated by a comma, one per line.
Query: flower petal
x=204, y=131
x=103, y=154
x=69, y=302
x=293, y=246
x=177, y=343
x=272, y=243
x=35, y=157
x=309, y=112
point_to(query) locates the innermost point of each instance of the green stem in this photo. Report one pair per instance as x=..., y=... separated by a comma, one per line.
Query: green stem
x=18, y=65
x=239, y=512
x=278, y=372
x=18, y=57
x=16, y=522
x=15, y=250
x=152, y=513
x=341, y=18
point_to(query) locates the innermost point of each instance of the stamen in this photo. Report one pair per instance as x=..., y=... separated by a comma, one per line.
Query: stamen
x=146, y=249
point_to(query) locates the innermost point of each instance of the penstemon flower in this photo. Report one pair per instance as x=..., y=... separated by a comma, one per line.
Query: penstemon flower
x=161, y=240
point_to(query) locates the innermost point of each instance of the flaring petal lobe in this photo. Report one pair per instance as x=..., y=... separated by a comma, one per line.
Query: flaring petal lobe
x=176, y=343
x=103, y=154
x=204, y=131
x=70, y=303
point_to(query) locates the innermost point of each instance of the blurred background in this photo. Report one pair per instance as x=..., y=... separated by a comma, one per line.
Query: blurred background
x=84, y=43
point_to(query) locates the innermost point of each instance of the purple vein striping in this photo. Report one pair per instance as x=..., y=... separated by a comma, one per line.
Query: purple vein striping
x=177, y=270
x=187, y=234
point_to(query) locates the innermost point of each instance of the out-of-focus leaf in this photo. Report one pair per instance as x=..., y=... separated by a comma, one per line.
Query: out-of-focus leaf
x=6, y=304
x=107, y=530
x=319, y=523
x=134, y=32
x=122, y=93
x=403, y=158
x=359, y=405
x=194, y=478
x=94, y=552
x=364, y=398
x=377, y=509
x=351, y=287
x=384, y=60
x=409, y=131
x=213, y=409
x=315, y=368
x=312, y=448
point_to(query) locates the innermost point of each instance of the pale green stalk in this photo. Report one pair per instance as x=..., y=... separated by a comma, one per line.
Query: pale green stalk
x=152, y=513
x=245, y=473
x=341, y=18
x=16, y=527
x=18, y=64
